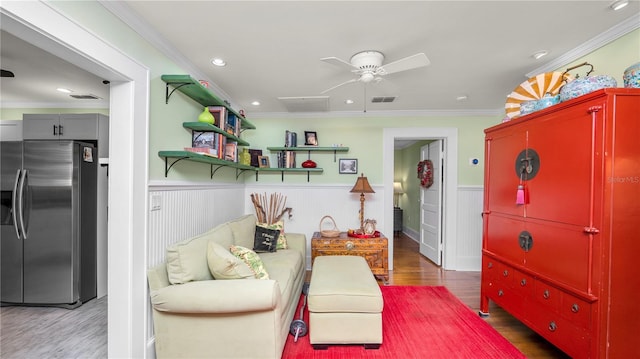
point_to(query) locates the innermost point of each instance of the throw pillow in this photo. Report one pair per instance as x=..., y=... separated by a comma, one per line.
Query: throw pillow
x=265, y=239
x=252, y=259
x=224, y=265
x=282, y=240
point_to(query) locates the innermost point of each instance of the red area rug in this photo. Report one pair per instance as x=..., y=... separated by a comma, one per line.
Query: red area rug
x=418, y=322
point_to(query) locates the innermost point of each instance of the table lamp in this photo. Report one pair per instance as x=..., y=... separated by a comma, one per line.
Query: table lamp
x=362, y=186
x=397, y=191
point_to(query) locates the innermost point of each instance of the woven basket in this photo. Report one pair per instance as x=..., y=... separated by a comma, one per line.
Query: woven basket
x=333, y=232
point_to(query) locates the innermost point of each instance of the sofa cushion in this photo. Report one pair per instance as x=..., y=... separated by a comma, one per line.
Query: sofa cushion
x=243, y=230
x=265, y=239
x=224, y=265
x=282, y=239
x=252, y=259
x=187, y=259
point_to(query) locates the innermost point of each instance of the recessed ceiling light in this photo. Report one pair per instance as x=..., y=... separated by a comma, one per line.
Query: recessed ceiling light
x=348, y=102
x=539, y=54
x=256, y=103
x=61, y=89
x=619, y=4
x=218, y=61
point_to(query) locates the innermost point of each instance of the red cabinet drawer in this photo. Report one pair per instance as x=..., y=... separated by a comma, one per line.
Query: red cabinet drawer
x=576, y=310
x=547, y=295
x=570, y=338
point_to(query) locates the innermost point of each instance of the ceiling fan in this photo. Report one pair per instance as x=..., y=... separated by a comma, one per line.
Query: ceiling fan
x=368, y=66
x=6, y=73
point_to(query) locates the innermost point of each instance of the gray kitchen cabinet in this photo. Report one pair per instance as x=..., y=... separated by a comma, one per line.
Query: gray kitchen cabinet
x=86, y=126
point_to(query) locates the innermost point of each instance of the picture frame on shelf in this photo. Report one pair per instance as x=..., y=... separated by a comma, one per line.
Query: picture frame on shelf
x=310, y=138
x=263, y=162
x=255, y=157
x=203, y=139
x=348, y=166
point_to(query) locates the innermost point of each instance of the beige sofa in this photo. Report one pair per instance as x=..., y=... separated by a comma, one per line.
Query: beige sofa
x=197, y=316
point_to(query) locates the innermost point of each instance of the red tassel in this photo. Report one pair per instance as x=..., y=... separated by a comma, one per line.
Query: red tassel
x=520, y=195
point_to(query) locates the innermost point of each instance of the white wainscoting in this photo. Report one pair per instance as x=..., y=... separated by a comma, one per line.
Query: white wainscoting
x=469, y=222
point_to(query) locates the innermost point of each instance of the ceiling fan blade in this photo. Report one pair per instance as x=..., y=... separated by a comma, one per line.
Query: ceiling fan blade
x=6, y=73
x=336, y=86
x=408, y=63
x=338, y=62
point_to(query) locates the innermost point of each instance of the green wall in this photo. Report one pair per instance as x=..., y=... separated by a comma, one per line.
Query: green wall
x=363, y=135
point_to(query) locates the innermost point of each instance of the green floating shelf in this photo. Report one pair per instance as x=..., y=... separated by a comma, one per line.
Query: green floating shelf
x=205, y=127
x=178, y=156
x=193, y=89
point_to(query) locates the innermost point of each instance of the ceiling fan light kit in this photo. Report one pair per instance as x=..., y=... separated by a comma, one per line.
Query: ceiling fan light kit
x=369, y=67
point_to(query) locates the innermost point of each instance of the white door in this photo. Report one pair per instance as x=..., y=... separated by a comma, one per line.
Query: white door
x=431, y=204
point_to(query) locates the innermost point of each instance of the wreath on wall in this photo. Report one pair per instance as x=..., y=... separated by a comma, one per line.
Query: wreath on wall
x=425, y=173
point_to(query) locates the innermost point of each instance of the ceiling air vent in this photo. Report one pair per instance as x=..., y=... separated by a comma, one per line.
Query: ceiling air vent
x=383, y=99
x=86, y=97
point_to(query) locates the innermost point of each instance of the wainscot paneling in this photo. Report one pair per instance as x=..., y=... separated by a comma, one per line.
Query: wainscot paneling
x=469, y=222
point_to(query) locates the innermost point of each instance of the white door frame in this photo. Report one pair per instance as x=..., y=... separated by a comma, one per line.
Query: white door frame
x=450, y=198
x=43, y=26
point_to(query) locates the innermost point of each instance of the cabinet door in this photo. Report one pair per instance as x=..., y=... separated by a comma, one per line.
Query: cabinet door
x=561, y=252
x=566, y=145
x=501, y=179
x=40, y=126
x=79, y=127
x=502, y=237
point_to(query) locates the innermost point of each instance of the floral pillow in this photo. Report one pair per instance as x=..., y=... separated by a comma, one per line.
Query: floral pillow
x=282, y=240
x=252, y=259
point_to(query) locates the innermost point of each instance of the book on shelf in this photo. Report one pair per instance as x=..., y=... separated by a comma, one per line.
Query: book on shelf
x=290, y=139
x=286, y=159
x=255, y=154
x=232, y=125
x=231, y=152
x=201, y=150
x=220, y=114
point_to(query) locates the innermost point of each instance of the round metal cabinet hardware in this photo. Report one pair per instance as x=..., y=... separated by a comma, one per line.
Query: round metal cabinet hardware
x=553, y=326
x=523, y=282
x=545, y=294
x=575, y=308
x=527, y=164
x=490, y=265
x=349, y=245
x=500, y=293
x=505, y=273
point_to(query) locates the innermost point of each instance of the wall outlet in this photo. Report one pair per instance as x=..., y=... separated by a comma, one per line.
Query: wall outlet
x=156, y=202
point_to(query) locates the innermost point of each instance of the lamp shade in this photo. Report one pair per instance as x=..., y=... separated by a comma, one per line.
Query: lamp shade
x=397, y=187
x=362, y=185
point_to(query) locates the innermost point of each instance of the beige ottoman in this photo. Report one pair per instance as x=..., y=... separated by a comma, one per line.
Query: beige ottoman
x=345, y=303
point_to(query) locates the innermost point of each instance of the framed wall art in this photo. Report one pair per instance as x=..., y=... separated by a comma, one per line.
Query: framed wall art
x=348, y=166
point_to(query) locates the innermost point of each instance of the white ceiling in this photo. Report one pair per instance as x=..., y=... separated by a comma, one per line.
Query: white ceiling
x=478, y=49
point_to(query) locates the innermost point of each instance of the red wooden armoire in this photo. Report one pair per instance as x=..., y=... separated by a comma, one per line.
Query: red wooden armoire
x=565, y=258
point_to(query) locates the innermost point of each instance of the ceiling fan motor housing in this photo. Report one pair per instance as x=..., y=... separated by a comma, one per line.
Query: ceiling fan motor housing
x=367, y=60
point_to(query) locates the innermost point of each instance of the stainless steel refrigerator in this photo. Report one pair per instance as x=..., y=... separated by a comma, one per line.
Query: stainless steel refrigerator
x=48, y=243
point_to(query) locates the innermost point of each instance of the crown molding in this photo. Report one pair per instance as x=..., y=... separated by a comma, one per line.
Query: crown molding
x=614, y=33
x=129, y=17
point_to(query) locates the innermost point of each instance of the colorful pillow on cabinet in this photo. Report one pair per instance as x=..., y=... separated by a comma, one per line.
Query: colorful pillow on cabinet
x=252, y=259
x=224, y=265
x=282, y=239
x=265, y=239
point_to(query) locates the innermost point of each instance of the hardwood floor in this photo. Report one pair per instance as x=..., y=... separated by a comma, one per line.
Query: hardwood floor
x=411, y=268
x=33, y=332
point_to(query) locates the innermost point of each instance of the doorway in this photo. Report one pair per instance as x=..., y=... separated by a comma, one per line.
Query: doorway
x=44, y=27
x=450, y=138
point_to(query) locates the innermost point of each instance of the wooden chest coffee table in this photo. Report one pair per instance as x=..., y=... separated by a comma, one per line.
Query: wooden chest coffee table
x=374, y=250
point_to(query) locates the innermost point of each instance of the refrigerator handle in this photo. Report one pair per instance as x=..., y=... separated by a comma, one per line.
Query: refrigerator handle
x=14, y=204
x=23, y=179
